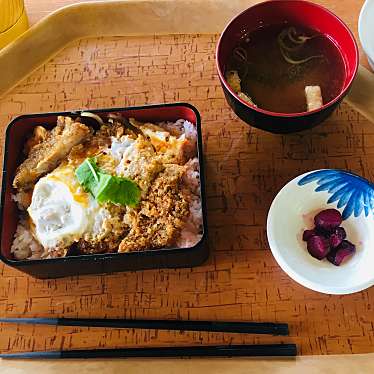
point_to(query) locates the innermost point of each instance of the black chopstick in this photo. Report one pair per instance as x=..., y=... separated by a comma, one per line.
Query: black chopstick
x=194, y=351
x=211, y=326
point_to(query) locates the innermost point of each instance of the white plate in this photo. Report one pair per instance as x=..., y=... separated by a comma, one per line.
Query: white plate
x=293, y=210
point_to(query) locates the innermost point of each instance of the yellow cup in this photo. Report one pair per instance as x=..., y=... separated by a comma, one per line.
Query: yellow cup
x=13, y=20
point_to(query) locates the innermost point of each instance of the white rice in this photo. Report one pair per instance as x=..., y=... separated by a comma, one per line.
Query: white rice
x=192, y=231
x=22, y=200
x=24, y=244
x=192, y=176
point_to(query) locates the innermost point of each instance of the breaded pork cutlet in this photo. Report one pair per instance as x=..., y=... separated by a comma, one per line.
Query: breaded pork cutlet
x=157, y=221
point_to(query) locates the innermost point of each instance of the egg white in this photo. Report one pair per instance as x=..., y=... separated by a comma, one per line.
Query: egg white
x=61, y=211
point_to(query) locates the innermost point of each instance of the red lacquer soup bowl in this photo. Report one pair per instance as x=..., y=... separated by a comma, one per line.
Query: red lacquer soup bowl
x=296, y=12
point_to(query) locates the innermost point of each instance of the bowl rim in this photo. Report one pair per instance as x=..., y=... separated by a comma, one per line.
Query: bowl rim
x=105, y=256
x=361, y=23
x=297, y=277
x=339, y=97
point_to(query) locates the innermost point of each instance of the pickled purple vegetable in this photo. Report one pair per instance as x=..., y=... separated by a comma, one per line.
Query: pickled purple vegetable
x=307, y=234
x=337, y=236
x=318, y=247
x=346, y=244
x=327, y=238
x=328, y=219
x=322, y=232
x=344, y=250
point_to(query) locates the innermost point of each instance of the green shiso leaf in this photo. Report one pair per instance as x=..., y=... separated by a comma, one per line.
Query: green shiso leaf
x=105, y=187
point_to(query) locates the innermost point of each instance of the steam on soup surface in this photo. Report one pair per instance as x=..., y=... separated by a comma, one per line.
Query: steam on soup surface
x=275, y=63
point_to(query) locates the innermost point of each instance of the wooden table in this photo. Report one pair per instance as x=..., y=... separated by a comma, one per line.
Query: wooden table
x=219, y=286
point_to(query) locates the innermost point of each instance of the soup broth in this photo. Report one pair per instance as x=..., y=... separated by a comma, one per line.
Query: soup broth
x=275, y=64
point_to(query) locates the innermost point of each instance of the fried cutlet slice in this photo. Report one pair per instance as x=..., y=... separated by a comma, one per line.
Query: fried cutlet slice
x=158, y=220
x=45, y=156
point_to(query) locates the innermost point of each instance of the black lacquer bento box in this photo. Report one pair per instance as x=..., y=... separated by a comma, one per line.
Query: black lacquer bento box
x=16, y=134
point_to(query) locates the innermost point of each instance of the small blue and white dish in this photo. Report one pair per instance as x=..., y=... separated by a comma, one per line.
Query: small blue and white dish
x=292, y=212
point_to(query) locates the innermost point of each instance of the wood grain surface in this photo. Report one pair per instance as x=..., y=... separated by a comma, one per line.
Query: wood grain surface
x=245, y=169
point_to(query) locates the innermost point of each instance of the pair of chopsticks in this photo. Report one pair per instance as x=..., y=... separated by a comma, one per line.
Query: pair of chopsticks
x=189, y=351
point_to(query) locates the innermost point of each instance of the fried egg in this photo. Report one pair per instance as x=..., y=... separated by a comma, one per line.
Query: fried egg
x=61, y=211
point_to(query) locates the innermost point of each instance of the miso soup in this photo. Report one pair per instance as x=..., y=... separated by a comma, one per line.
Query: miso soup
x=275, y=63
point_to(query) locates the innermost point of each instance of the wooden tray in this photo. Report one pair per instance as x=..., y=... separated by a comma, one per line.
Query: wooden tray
x=245, y=169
